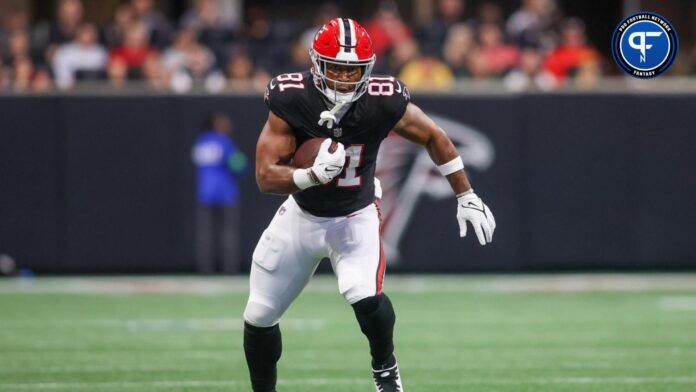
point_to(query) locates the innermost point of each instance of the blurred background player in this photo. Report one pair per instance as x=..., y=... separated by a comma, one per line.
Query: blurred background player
x=219, y=162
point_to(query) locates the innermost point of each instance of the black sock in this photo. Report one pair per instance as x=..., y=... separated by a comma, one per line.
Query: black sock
x=376, y=318
x=262, y=347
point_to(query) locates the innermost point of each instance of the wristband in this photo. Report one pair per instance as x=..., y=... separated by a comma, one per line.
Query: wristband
x=303, y=178
x=471, y=190
x=452, y=166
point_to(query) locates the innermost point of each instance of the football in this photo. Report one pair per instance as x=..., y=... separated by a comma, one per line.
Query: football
x=307, y=152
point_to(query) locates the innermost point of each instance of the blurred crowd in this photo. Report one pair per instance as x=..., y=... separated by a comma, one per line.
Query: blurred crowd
x=535, y=47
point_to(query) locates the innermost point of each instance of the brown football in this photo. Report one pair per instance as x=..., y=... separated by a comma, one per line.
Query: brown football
x=307, y=152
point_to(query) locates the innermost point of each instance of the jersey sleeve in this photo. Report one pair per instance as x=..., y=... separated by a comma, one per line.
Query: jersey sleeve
x=280, y=101
x=394, y=105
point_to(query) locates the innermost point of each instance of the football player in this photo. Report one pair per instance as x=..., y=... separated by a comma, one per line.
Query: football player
x=331, y=210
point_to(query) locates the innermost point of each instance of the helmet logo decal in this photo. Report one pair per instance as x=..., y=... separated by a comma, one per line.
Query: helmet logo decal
x=321, y=30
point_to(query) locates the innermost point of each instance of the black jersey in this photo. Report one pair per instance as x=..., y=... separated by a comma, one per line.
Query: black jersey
x=295, y=99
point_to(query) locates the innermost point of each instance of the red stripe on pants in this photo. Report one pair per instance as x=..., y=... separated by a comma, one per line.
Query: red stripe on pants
x=382, y=266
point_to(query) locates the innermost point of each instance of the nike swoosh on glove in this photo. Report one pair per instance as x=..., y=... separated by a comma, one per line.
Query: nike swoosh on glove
x=328, y=165
x=470, y=208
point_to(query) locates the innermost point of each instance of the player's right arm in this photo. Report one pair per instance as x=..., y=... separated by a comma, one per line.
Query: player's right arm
x=274, y=151
x=277, y=144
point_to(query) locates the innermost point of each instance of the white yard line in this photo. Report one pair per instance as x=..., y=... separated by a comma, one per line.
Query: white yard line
x=687, y=303
x=144, y=325
x=106, y=368
x=170, y=384
x=345, y=381
x=191, y=367
x=327, y=284
x=595, y=380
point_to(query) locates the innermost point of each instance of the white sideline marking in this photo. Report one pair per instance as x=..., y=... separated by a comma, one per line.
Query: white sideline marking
x=343, y=381
x=145, y=325
x=461, y=367
x=678, y=303
x=104, y=368
x=190, y=367
x=89, y=353
x=626, y=380
x=218, y=286
x=172, y=384
x=594, y=380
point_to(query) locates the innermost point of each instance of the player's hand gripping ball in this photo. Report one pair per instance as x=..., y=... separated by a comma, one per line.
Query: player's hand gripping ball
x=307, y=152
x=325, y=157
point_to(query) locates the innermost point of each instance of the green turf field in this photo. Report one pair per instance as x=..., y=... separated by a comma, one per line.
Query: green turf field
x=497, y=333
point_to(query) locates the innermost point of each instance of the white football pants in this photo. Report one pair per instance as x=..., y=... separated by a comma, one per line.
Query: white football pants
x=291, y=247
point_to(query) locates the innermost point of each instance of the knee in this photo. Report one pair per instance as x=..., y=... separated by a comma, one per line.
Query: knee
x=375, y=315
x=260, y=315
x=354, y=289
x=358, y=293
x=372, y=304
x=367, y=305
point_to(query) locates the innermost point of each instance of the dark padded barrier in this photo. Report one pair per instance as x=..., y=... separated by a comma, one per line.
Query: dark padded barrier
x=579, y=182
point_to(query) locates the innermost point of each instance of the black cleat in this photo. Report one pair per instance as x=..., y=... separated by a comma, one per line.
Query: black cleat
x=387, y=378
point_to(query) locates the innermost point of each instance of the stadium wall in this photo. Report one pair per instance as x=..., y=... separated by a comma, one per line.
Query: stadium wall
x=104, y=184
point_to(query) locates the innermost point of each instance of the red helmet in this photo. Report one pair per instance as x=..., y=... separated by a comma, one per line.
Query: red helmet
x=342, y=41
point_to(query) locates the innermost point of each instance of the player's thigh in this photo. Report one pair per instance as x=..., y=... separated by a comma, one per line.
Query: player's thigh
x=357, y=256
x=280, y=269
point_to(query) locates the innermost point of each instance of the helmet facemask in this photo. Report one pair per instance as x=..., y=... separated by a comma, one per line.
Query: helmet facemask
x=334, y=95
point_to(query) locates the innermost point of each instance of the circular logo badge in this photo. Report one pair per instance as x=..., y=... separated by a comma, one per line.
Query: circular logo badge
x=644, y=45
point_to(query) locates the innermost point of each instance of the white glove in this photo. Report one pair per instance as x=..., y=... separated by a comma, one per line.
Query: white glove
x=328, y=165
x=378, y=188
x=471, y=208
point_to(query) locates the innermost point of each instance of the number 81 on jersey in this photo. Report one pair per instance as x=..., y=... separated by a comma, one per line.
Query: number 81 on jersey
x=353, y=159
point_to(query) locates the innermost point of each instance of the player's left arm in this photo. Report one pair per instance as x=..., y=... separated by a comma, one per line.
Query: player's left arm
x=417, y=127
